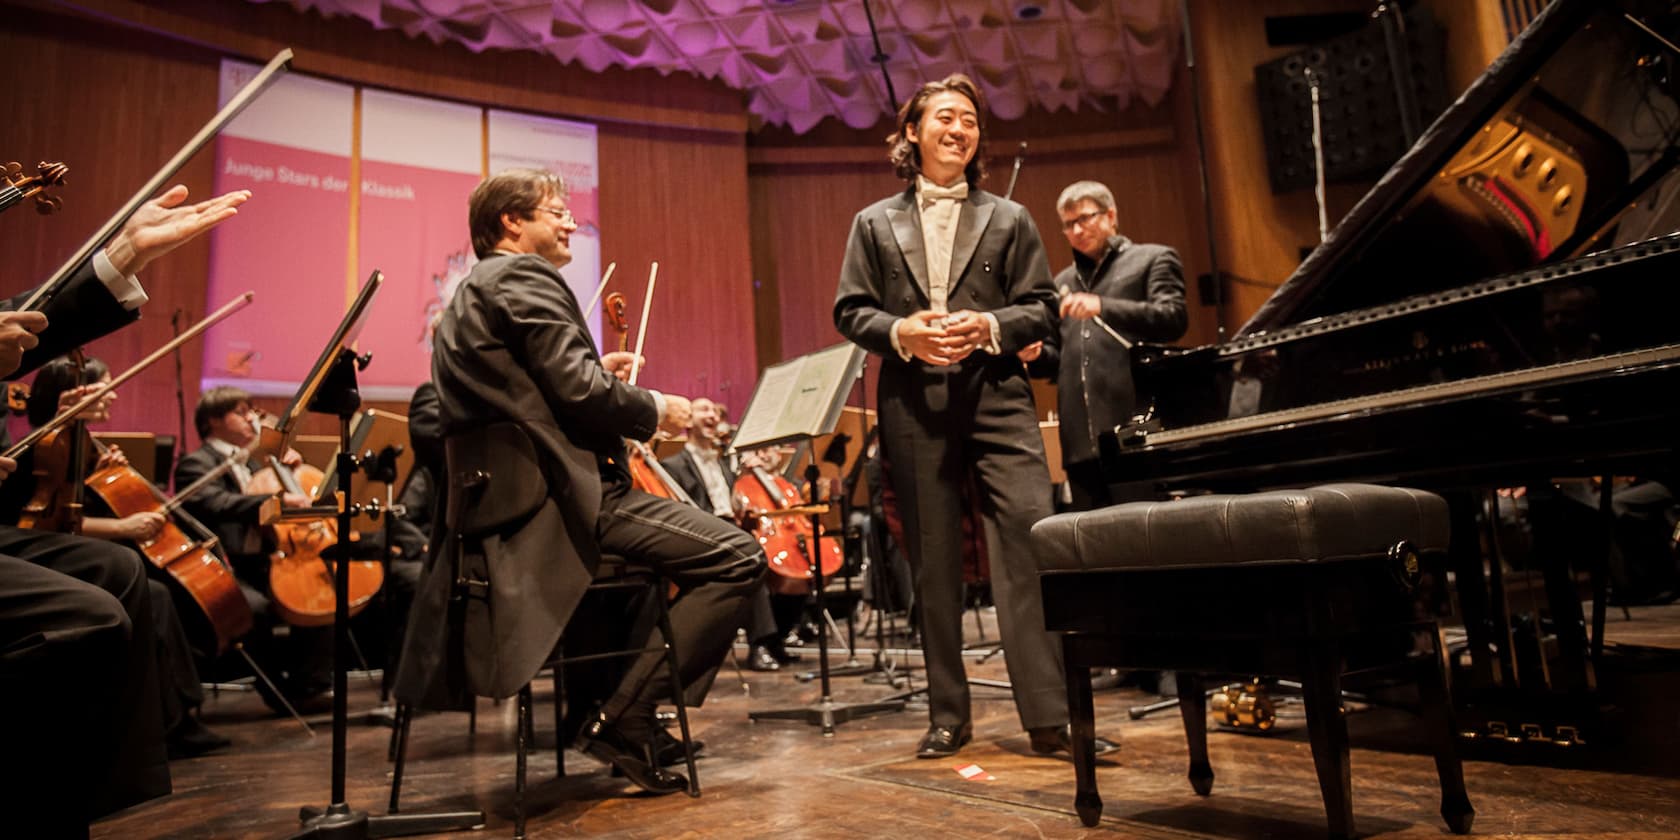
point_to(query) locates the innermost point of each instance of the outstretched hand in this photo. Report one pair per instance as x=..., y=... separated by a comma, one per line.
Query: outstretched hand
x=166, y=223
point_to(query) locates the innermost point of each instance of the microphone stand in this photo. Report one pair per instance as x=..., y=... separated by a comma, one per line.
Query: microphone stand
x=339, y=395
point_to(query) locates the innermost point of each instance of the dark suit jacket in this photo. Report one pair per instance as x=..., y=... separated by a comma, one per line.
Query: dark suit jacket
x=514, y=347
x=228, y=512
x=682, y=467
x=81, y=312
x=1142, y=291
x=997, y=266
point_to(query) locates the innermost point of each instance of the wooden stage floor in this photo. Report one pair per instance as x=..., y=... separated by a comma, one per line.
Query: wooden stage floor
x=783, y=780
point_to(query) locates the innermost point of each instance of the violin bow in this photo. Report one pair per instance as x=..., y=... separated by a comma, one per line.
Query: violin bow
x=641, y=329
x=66, y=416
x=605, y=278
x=277, y=65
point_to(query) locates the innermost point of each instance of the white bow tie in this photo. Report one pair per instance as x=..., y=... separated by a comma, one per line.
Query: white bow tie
x=928, y=192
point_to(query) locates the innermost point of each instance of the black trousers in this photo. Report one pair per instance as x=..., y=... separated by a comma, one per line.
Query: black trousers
x=79, y=695
x=939, y=426
x=715, y=565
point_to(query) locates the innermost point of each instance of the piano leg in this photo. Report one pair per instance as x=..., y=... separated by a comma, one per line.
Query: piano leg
x=1465, y=555
x=1506, y=675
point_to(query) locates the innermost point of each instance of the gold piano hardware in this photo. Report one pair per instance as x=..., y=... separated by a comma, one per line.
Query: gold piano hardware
x=1245, y=706
x=1523, y=174
x=1561, y=735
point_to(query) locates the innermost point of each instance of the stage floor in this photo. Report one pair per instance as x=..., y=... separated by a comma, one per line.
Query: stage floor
x=784, y=780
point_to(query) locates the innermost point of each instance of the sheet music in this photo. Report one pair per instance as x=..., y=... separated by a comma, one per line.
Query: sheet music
x=800, y=398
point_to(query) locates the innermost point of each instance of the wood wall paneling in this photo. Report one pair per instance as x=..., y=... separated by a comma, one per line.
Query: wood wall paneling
x=115, y=92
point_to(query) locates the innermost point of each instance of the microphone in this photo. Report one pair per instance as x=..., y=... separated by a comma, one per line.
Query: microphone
x=1062, y=294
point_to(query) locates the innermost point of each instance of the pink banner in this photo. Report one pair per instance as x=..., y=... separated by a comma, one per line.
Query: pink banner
x=413, y=226
x=290, y=247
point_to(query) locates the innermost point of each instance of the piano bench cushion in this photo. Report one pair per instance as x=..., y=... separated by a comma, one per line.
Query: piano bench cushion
x=1329, y=522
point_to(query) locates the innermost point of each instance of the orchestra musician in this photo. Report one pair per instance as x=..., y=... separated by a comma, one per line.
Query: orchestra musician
x=514, y=347
x=702, y=469
x=57, y=387
x=1136, y=290
x=227, y=424
x=78, y=664
x=946, y=282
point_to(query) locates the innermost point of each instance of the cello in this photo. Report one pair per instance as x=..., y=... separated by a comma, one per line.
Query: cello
x=766, y=499
x=59, y=469
x=300, y=576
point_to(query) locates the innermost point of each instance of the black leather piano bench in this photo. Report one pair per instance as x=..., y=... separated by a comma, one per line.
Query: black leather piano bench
x=1311, y=584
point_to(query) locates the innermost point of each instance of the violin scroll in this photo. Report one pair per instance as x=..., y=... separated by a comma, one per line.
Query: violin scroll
x=20, y=187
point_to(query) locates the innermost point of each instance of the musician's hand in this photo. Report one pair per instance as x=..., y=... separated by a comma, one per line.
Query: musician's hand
x=1031, y=352
x=17, y=334
x=1080, y=306
x=294, y=500
x=165, y=223
x=972, y=329
x=141, y=526
x=7, y=467
x=99, y=412
x=619, y=362
x=922, y=334
x=678, y=411
x=292, y=458
x=111, y=457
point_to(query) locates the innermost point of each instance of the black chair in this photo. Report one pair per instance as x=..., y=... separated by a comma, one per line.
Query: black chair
x=1312, y=584
x=494, y=481
x=614, y=574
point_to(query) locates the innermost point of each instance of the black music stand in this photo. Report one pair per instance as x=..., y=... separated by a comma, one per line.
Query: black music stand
x=331, y=388
x=797, y=401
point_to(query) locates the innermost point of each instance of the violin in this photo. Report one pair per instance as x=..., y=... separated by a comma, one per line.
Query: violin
x=16, y=187
x=300, y=577
x=787, y=540
x=59, y=459
x=646, y=473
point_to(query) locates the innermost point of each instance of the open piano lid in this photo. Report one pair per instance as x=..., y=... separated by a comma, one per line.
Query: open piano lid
x=1536, y=162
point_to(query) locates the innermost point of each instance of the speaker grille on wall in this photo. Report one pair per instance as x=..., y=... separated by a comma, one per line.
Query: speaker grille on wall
x=1359, y=111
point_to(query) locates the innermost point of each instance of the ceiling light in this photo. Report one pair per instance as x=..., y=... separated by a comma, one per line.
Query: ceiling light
x=1027, y=9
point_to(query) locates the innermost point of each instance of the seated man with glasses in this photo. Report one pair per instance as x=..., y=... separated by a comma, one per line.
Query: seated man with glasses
x=1137, y=290
x=517, y=374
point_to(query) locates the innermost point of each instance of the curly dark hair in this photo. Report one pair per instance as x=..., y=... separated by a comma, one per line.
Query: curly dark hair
x=906, y=157
x=509, y=191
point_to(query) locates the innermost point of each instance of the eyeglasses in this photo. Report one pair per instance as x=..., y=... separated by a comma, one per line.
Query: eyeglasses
x=1080, y=220
x=563, y=214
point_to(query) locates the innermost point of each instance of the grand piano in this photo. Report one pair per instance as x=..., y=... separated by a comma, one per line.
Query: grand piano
x=1501, y=309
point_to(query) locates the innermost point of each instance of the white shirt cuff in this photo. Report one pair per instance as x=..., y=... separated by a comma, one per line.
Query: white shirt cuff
x=659, y=404
x=126, y=290
x=892, y=334
x=993, y=347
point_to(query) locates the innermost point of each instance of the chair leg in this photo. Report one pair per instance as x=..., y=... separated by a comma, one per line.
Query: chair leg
x=1192, y=705
x=1438, y=724
x=399, y=745
x=1321, y=689
x=677, y=689
x=522, y=728
x=1083, y=725
x=559, y=718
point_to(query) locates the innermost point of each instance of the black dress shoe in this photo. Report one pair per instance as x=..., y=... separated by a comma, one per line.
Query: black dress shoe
x=192, y=738
x=607, y=744
x=668, y=749
x=1048, y=740
x=760, y=659
x=942, y=741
